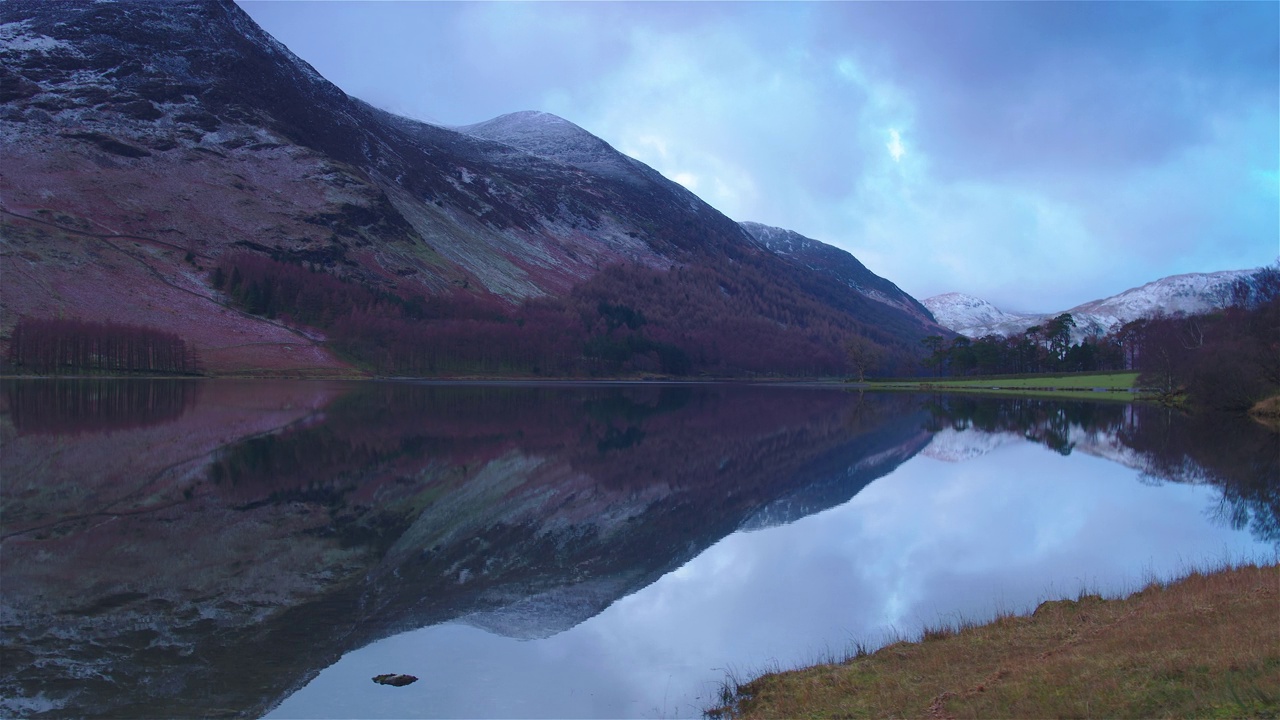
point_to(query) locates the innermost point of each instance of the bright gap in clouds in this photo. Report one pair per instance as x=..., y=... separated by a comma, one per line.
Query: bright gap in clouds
x=689, y=180
x=895, y=146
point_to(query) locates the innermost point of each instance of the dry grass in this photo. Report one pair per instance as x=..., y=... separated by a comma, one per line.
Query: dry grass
x=1205, y=646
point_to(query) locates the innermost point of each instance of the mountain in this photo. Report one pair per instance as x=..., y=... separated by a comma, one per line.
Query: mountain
x=554, y=138
x=170, y=165
x=973, y=316
x=1173, y=295
x=839, y=265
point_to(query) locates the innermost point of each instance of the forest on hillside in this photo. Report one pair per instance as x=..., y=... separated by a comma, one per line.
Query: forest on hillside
x=626, y=320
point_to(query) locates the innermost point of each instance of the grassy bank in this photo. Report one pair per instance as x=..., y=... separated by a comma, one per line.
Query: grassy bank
x=1207, y=645
x=1092, y=386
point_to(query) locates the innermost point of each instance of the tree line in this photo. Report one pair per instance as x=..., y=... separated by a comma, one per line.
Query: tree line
x=51, y=346
x=1039, y=349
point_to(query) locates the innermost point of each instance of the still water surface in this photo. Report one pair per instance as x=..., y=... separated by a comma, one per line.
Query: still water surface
x=174, y=548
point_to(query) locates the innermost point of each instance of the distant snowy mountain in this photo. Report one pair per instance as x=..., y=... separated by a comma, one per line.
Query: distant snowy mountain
x=976, y=317
x=1173, y=295
x=956, y=446
x=1177, y=294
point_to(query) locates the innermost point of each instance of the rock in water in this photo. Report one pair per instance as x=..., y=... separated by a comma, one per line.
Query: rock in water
x=394, y=679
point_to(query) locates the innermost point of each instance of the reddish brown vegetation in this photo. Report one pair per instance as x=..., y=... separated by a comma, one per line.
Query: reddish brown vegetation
x=51, y=272
x=625, y=319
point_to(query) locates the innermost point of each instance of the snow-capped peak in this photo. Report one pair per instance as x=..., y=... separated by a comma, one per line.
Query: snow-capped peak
x=546, y=135
x=968, y=315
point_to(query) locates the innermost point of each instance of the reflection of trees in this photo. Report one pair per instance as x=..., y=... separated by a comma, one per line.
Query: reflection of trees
x=1048, y=422
x=622, y=437
x=72, y=406
x=1231, y=452
x=378, y=428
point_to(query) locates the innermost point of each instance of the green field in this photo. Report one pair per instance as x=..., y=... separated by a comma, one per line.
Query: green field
x=1114, y=385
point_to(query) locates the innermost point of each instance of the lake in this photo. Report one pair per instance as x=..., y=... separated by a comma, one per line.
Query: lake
x=174, y=548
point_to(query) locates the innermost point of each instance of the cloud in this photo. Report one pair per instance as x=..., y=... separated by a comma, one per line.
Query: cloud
x=1026, y=88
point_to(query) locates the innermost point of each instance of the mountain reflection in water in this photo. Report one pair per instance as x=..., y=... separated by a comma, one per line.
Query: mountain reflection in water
x=213, y=558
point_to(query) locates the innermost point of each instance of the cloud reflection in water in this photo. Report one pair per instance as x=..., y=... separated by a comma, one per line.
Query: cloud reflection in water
x=934, y=540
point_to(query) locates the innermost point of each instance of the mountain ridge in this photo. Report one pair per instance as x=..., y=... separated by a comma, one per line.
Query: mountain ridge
x=1185, y=293
x=836, y=263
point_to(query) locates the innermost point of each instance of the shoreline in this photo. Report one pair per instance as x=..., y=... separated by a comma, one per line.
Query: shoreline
x=476, y=379
x=971, y=387
x=982, y=384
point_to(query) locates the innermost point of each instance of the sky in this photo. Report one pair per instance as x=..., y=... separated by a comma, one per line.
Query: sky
x=1037, y=155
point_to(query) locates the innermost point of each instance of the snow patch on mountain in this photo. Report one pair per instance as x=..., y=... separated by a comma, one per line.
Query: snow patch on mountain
x=1107, y=445
x=16, y=37
x=779, y=240
x=972, y=316
x=954, y=446
x=1174, y=295
x=548, y=136
x=551, y=137
x=541, y=615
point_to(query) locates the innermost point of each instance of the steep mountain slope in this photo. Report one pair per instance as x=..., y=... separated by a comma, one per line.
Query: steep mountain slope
x=1176, y=294
x=148, y=144
x=837, y=264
